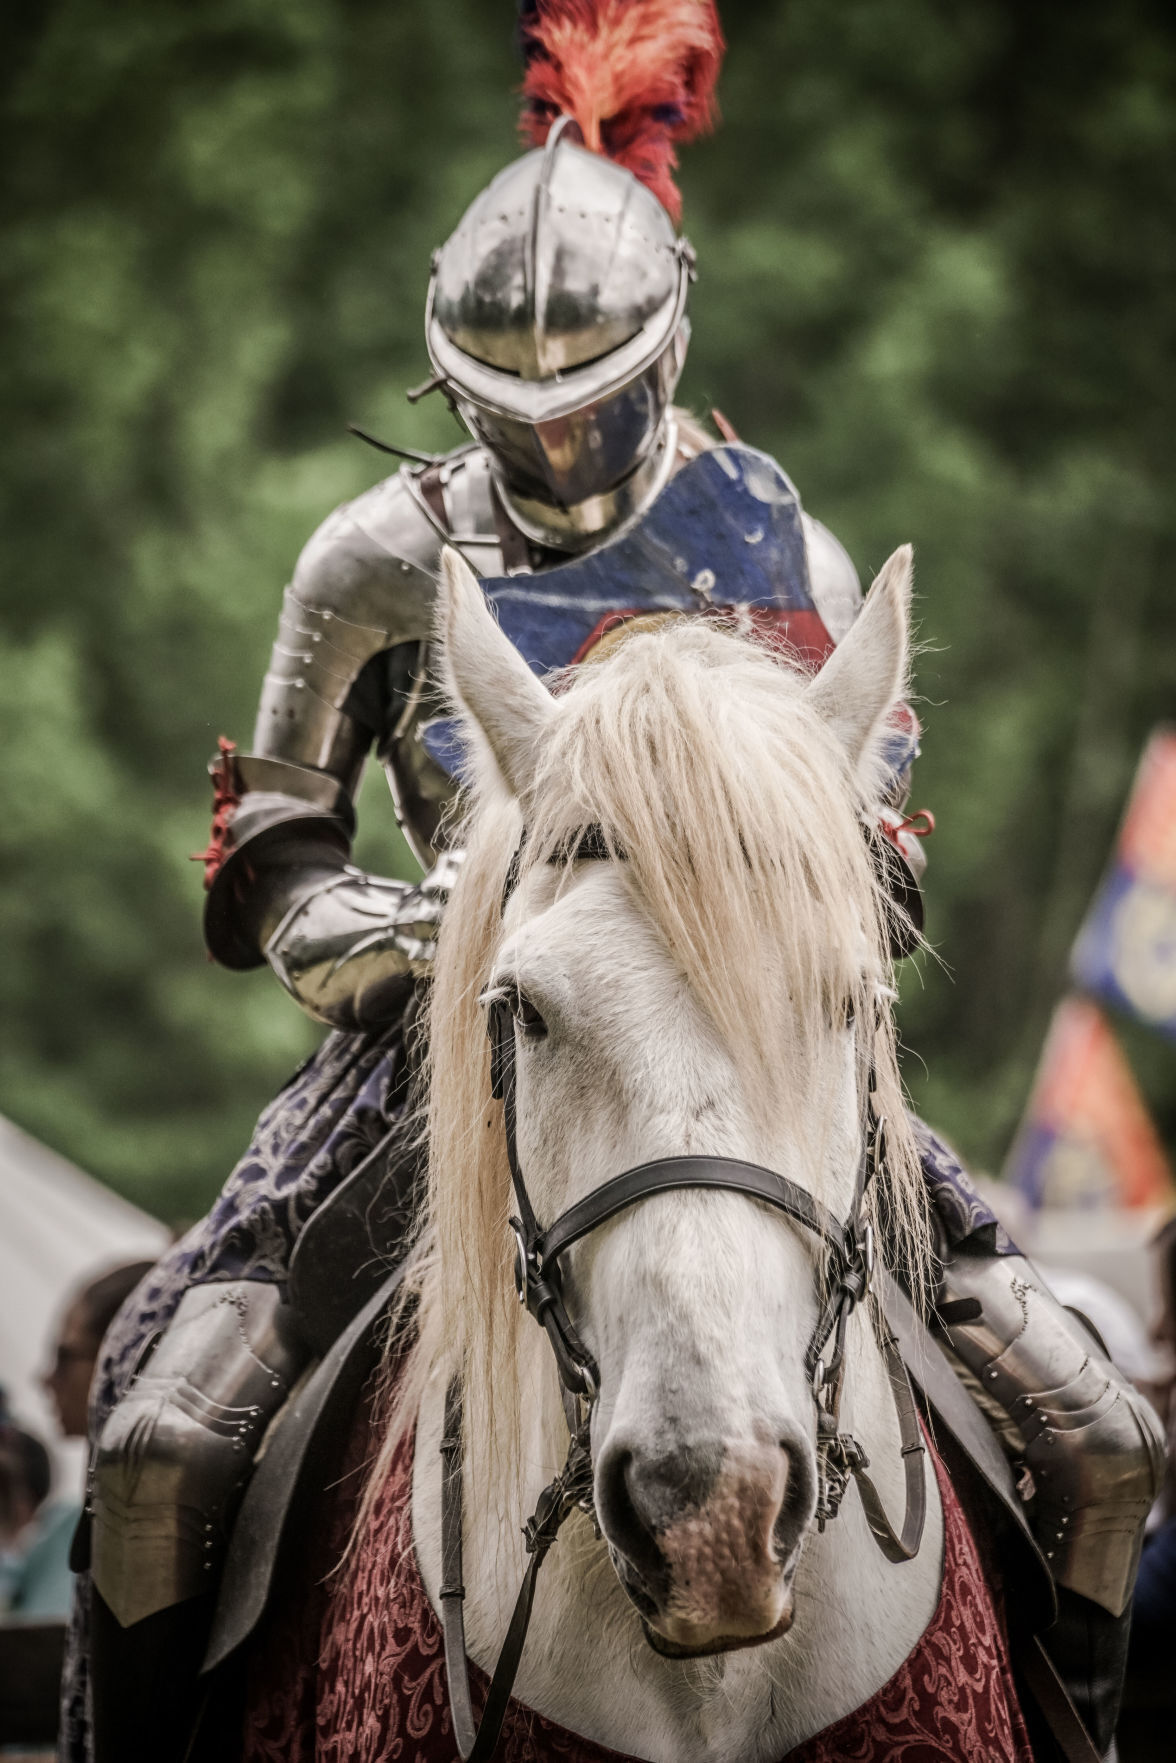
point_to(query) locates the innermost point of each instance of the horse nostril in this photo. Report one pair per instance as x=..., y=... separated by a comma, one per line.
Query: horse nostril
x=625, y=1515
x=762, y=1495
x=800, y=1498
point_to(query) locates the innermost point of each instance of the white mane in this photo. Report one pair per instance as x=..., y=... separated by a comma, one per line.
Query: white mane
x=739, y=824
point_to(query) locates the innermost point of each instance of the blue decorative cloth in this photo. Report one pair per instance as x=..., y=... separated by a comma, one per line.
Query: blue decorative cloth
x=726, y=534
x=1126, y=950
x=968, y=1222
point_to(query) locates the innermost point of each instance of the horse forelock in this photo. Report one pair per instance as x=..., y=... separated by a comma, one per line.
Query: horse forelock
x=737, y=821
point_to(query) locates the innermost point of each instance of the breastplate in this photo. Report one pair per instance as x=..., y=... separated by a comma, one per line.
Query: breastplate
x=726, y=536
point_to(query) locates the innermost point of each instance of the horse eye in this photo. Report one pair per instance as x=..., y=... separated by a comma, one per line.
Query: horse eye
x=527, y=1018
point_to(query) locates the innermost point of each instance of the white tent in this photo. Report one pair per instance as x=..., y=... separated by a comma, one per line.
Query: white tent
x=58, y=1230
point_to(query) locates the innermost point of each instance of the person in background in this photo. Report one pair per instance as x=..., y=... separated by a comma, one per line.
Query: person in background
x=87, y=1317
x=35, y=1532
x=36, y=1588
x=36, y=1529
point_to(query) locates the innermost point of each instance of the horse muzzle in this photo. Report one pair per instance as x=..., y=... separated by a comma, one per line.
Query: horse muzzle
x=705, y=1540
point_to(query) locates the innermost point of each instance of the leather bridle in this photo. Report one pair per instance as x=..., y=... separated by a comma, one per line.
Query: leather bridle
x=849, y=1252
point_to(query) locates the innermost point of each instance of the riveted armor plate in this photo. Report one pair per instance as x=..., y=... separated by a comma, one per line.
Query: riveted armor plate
x=1093, y=1446
x=177, y=1450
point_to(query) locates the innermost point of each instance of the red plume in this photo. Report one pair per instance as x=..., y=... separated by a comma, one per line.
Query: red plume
x=637, y=75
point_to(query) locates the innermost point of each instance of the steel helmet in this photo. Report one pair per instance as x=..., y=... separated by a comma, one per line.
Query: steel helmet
x=556, y=311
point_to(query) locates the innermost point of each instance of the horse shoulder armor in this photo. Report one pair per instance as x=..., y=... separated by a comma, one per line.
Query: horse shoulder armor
x=176, y=1452
x=1092, y=1445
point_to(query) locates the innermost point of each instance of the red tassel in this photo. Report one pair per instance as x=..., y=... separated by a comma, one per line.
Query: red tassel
x=226, y=796
x=638, y=76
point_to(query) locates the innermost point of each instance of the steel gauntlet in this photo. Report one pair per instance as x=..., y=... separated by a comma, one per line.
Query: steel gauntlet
x=1091, y=1444
x=350, y=945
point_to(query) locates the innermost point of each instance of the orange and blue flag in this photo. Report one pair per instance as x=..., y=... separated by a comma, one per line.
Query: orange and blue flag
x=1126, y=950
x=1087, y=1139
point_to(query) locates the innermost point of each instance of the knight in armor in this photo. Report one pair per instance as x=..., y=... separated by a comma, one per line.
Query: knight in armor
x=557, y=327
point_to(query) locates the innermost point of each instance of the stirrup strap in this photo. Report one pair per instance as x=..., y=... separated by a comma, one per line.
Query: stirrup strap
x=1053, y=1700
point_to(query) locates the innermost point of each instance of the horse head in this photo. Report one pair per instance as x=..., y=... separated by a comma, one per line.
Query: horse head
x=693, y=944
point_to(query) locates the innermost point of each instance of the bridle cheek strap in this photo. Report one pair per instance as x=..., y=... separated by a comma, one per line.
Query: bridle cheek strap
x=841, y=1457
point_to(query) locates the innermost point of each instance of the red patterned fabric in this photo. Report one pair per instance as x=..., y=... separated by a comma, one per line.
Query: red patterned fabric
x=356, y=1673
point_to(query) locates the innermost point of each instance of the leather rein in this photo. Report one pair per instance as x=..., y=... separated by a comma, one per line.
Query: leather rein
x=849, y=1249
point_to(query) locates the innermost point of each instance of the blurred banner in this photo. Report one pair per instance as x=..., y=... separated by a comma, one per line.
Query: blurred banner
x=1126, y=950
x=1087, y=1139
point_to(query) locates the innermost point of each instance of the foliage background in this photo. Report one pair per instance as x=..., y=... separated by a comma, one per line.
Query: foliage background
x=938, y=262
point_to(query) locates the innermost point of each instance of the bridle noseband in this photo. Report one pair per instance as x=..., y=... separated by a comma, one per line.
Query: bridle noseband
x=849, y=1250
x=538, y=1274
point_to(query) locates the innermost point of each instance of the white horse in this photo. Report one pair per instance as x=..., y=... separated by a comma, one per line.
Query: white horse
x=709, y=992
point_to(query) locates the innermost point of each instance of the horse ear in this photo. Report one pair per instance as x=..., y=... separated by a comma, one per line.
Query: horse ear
x=866, y=675
x=487, y=679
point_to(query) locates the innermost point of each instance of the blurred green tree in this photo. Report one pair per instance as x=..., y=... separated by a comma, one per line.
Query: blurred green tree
x=936, y=268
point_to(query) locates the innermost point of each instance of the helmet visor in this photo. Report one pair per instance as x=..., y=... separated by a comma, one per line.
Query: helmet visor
x=567, y=459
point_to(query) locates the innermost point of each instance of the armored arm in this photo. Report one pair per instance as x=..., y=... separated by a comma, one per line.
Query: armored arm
x=349, y=650
x=1092, y=1445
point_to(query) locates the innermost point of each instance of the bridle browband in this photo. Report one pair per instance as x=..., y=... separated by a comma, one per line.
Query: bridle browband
x=849, y=1249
